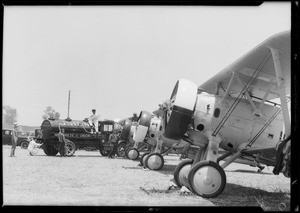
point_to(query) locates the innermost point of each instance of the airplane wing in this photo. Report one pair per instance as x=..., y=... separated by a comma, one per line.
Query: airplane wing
x=257, y=67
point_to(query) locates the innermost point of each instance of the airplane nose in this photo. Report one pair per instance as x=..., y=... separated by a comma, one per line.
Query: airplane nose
x=183, y=100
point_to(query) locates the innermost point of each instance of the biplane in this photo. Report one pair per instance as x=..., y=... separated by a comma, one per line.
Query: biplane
x=244, y=109
x=146, y=133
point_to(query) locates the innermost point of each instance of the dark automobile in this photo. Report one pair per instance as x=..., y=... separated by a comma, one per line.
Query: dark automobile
x=7, y=137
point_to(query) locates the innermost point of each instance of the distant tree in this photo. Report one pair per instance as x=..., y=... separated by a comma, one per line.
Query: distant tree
x=49, y=112
x=9, y=115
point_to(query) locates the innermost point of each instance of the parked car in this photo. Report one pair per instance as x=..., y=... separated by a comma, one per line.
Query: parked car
x=7, y=137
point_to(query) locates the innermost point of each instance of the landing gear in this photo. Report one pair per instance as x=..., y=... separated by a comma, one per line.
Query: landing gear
x=121, y=149
x=207, y=179
x=143, y=158
x=133, y=153
x=181, y=173
x=154, y=161
x=260, y=168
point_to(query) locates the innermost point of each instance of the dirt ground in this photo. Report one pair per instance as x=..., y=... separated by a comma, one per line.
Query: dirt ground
x=89, y=179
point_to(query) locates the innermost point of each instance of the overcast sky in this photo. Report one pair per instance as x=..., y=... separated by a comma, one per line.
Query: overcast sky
x=121, y=59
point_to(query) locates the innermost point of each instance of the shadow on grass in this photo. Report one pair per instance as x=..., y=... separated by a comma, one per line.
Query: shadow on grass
x=249, y=171
x=58, y=155
x=168, y=169
x=237, y=195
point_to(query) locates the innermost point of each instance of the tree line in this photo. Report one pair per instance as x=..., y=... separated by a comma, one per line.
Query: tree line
x=10, y=115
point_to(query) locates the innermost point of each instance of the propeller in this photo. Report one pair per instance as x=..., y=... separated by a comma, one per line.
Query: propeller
x=179, y=109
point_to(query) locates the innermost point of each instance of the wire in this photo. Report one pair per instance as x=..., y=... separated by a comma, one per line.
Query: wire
x=242, y=93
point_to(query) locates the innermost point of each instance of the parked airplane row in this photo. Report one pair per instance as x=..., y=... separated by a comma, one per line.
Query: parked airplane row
x=236, y=110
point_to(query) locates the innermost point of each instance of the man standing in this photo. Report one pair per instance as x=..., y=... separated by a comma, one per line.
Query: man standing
x=61, y=139
x=114, y=139
x=14, y=140
x=94, y=119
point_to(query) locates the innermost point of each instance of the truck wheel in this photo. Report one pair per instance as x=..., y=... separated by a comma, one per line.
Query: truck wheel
x=24, y=144
x=103, y=152
x=121, y=149
x=50, y=150
x=69, y=148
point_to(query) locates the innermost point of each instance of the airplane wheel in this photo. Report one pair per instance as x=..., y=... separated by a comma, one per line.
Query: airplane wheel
x=133, y=154
x=121, y=149
x=207, y=179
x=126, y=151
x=143, y=158
x=181, y=173
x=154, y=161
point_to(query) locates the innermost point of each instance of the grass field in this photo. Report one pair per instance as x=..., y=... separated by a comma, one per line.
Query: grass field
x=89, y=179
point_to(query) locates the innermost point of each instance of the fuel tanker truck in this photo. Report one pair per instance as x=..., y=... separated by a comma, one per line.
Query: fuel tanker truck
x=78, y=135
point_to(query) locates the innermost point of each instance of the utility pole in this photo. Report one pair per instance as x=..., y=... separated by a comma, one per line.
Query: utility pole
x=68, y=118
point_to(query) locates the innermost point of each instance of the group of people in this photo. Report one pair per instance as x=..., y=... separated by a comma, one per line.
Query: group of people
x=93, y=120
x=113, y=138
x=32, y=146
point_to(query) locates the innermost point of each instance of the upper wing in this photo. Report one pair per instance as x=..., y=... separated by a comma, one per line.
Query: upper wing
x=257, y=67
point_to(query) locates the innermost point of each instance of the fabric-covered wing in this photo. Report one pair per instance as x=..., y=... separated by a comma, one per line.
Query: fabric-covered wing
x=257, y=67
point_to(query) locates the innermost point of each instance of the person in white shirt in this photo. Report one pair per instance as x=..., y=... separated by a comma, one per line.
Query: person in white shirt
x=32, y=147
x=94, y=119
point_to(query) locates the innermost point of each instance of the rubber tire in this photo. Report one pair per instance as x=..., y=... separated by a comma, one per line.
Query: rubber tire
x=138, y=153
x=50, y=150
x=104, y=152
x=68, y=143
x=178, y=169
x=142, y=158
x=24, y=144
x=149, y=156
x=194, y=170
x=121, y=149
x=126, y=152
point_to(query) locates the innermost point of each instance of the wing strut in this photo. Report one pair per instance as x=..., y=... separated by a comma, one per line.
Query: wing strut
x=281, y=87
x=245, y=89
x=264, y=127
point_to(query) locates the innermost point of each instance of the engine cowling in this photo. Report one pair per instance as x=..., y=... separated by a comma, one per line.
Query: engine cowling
x=126, y=130
x=183, y=101
x=144, y=121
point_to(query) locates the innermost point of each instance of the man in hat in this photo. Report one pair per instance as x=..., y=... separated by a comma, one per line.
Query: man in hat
x=14, y=139
x=62, y=140
x=94, y=119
